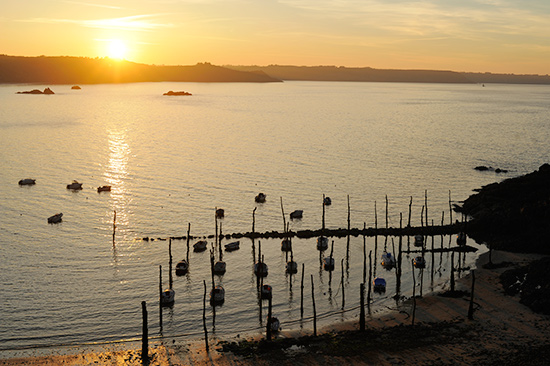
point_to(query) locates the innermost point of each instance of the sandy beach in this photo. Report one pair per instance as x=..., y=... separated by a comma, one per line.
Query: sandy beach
x=502, y=331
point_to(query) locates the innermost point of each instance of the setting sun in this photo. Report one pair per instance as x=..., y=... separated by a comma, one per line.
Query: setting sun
x=117, y=49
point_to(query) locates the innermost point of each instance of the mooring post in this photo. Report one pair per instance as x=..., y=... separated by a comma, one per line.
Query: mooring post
x=114, y=225
x=188, y=231
x=422, y=217
x=343, y=287
x=349, y=215
x=410, y=212
x=314, y=310
x=204, y=315
x=145, y=335
x=254, y=218
x=160, y=297
x=450, y=209
x=414, y=294
x=323, y=212
x=471, y=308
x=364, y=253
x=268, y=325
x=386, y=212
x=283, y=212
x=375, y=217
x=370, y=280
x=426, y=204
x=302, y=293
x=170, y=279
x=452, y=271
x=362, y=311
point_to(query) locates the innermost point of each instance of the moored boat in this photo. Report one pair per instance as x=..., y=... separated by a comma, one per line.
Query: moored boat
x=217, y=295
x=266, y=292
x=220, y=212
x=200, y=246
x=104, y=189
x=418, y=240
x=75, y=186
x=182, y=267
x=168, y=296
x=27, y=182
x=55, y=218
x=260, y=269
x=260, y=198
x=229, y=247
x=322, y=243
x=419, y=262
x=388, y=260
x=275, y=324
x=379, y=285
x=286, y=245
x=291, y=267
x=327, y=201
x=461, y=238
x=297, y=214
x=219, y=268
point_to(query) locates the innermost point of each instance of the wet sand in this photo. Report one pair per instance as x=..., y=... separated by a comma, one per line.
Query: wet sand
x=502, y=332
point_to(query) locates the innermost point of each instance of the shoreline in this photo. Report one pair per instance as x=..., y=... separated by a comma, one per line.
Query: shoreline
x=501, y=328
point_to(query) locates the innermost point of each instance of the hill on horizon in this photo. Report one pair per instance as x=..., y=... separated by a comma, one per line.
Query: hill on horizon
x=82, y=70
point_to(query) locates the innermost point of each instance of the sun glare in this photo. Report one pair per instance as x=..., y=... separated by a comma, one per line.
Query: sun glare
x=117, y=49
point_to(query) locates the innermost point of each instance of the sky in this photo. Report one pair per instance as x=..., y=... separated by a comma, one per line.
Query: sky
x=499, y=36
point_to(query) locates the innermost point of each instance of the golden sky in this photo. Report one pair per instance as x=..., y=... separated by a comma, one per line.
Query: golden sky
x=502, y=36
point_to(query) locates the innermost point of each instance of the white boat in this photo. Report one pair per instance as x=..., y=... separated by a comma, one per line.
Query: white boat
x=260, y=269
x=74, y=185
x=55, y=218
x=217, y=295
x=418, y=240
x=379, y=285
x=200, y=246
x=266, y=292
x=328, y=263
x=219, y=268
x=296, y=214
x=167, y=297
x=27, y=182
x=388, y=260
x=286, y=245
x=229, y=247
x=260, y=198
x=275, y=324
x=291, y=267
x=182, y=267
x=322, y=243
x=104, y=189
x=419, y=262
x=461, y=238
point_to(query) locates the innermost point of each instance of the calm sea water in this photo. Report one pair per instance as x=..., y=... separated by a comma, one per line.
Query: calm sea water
x=172, y=160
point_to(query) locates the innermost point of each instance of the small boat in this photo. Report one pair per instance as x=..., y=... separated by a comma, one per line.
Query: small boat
x=296, y=214
x=275, y=324
x=167, y=297
x=379, y=285
x=461, y=238
x=220, y=213
x=419, y=262
x=327, y=201
x=286, y=245
x=74, y=185
x=266, y=292
x=229, y=247
x=182, y=267
x=291, y=267
x=55, y=218
x=27, y=182
x=328, y=264
x=418, y=240
x=260, y=269
x=217, y=295
x=322, y=243
x=260, y=198
x=388, y=260
x=200, y=246
x=219, y=268
x=104, y=189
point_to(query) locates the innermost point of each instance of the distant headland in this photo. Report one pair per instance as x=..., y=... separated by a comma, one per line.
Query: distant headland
x=82, y=70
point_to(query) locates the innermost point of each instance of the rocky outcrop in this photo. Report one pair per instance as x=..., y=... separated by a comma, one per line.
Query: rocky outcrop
x=513, y=214
x=36, y=91
x=173, y=93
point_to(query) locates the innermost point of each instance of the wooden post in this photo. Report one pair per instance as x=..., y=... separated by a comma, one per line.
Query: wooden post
x=452, y=271
x=343, y=287
x=171, y=280
x=268, y=325
x=254, y=218
x=386, y=211
x=410, y=212
x=471, y=308
x=426, y=204
x=450, y=209
x=284, y=219
x=114, y=226
x=375, y=217
x=442, y=218
x=364, y=253
x=204, y=315
x=370, y=279
x=314, y=310
x=323, y=211
x=414, y=294
x=362, y=310
x=145, y=335
x=302, y=293
x=188, y=231
x=422, y=217
x=160, y=297
x=349, y=215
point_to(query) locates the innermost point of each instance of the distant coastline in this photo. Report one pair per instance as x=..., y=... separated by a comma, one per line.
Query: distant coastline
x=82, y=70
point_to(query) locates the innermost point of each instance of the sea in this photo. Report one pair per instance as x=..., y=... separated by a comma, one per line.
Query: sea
x=378, y=150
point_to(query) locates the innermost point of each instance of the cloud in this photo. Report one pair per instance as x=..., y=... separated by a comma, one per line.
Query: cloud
x=132, y=23
x=90, y=4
